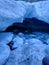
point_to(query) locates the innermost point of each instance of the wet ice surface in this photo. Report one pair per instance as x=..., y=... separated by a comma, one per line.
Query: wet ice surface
x=27, y=49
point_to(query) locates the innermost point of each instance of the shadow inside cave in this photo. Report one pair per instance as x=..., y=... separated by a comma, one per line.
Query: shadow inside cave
x=29, y=25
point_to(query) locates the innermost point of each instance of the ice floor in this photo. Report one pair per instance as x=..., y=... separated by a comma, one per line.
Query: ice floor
x=23, y=49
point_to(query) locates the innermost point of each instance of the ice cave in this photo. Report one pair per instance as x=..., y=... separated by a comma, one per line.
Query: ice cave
x=24, y=32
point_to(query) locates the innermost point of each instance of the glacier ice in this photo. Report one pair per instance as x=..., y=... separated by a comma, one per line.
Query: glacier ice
x=4, y=53
x=47, y=50
x=5, y=38
x=30, y=50
x=28, y=54
x=34, y=41
x=17, y=11
x=31, y=53
x=17, y=42
x=42, y=9
x=47, y=41
x=10, y=12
